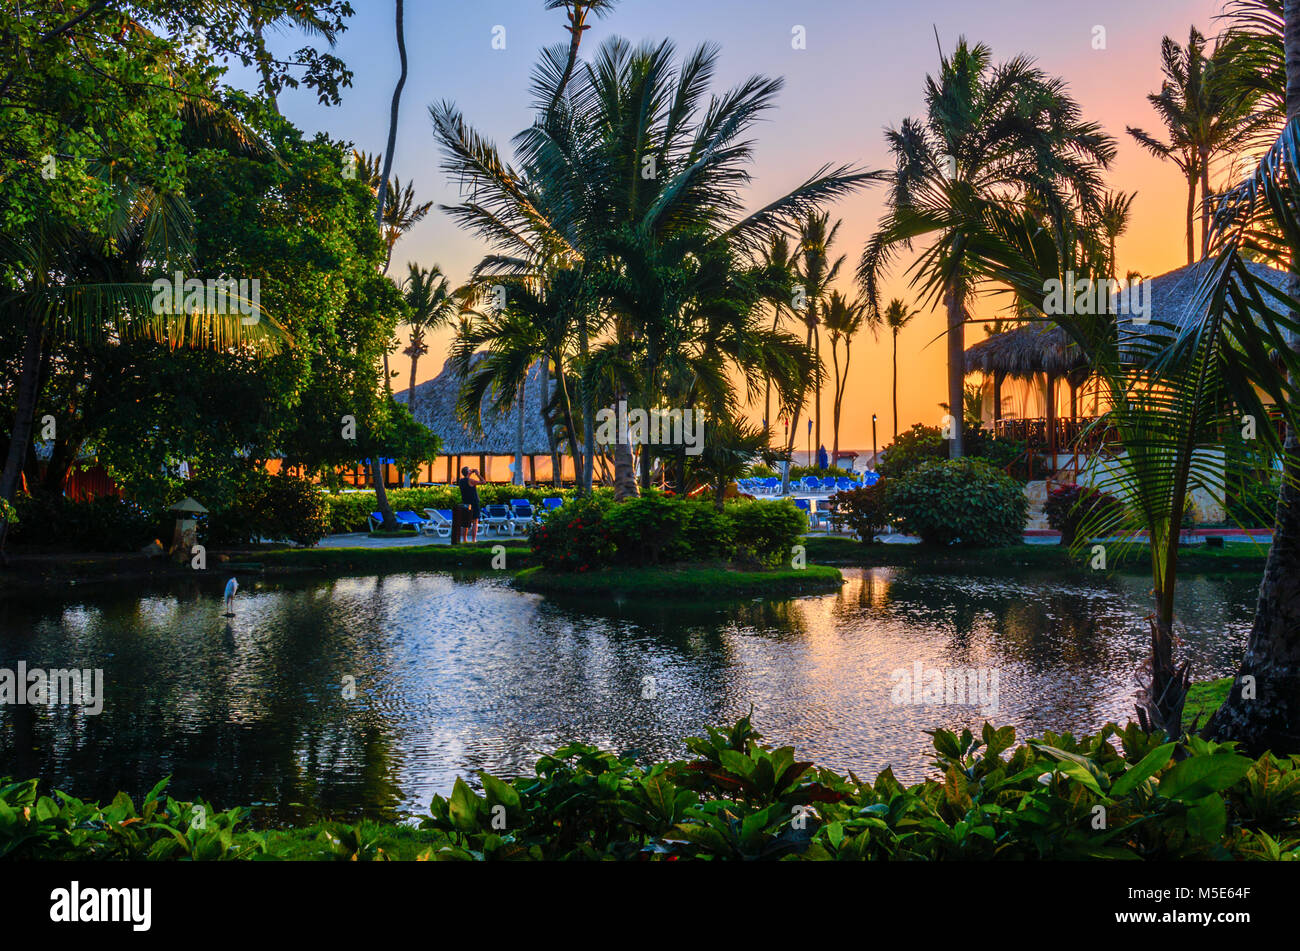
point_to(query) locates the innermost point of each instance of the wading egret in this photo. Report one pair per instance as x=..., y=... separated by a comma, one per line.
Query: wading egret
x=231, y=587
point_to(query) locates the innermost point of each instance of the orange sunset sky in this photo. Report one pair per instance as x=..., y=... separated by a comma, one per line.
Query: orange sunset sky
x=863, y=70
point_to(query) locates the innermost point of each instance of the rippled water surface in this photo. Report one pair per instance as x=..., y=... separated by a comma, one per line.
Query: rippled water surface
x=455, y=674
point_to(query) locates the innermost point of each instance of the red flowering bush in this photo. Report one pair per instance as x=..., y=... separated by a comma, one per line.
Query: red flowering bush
x=574, y=537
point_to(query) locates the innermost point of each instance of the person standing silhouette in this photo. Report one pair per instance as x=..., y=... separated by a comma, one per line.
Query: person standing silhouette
x=468, y=484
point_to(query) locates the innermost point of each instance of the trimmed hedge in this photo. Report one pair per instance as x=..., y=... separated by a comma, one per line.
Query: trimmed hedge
x=656, y=529
x=348, y=510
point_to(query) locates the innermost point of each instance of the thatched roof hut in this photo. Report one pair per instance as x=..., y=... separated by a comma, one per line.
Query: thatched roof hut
x=1025, y=352
x=497, y=435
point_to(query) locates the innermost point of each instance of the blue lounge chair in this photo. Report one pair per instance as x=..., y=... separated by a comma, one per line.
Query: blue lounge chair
x=550, y=505
x=497, y=518
x=870, y=478
x=407, y=517
x=524, y=516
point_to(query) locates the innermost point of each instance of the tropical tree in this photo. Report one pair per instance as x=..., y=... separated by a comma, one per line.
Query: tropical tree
x=814, y=272
x=843, y=318
x=1259, y=332
x=49, y=301
x=430, y=304
x=1205, y=114
x=1113, y=220
x=776, y=260
x=636, y=184
x=896, y=318
x=576, y=11
x=1007, y=131
x=730, y=445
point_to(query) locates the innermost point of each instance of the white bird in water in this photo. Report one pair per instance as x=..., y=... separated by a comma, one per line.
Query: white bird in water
x=231, y=587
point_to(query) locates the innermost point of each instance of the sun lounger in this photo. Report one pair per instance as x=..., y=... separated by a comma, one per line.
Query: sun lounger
x=497, y=518
x=440, y=519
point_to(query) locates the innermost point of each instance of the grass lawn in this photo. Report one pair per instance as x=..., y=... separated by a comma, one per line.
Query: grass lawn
x=408, y=558
x=1243, y=557
x=677, y=581
x=1204, y=698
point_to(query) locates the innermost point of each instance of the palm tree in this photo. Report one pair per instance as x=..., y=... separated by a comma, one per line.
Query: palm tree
x=814, y=273
x=635, y=183
x=776, y=260
x=1006, y=131
x=377, y=470
x=1113, y=219
x=843, y=319
x=430, y=305
x=897, y=317
x=1260, y=334
x=1205, y=115
x=576, y=11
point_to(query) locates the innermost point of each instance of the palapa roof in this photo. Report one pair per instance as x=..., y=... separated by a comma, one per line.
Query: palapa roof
x=1026, y=352
x=435, y=407
x=1043, y=347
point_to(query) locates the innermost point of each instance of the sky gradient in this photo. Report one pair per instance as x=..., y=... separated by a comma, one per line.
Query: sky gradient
x=863, y=71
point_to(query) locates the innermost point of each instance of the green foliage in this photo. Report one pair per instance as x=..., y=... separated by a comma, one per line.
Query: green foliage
x=1069, y=506
x=278, y=507
x=348, y=510
x=864, y=511
x=104, y=524
x=574, y=537
x=659, y=529
x=1119, y=794
x=923, y=443
x=959, y=500
x=765, y=533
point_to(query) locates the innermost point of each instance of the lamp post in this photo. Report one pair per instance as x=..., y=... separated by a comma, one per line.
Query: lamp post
x=873, y=442
x=810, y=455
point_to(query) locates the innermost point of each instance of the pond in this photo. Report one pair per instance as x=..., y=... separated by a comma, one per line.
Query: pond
x=457, y=673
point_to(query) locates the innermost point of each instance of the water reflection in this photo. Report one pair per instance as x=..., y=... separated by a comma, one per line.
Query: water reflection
x=454, y=674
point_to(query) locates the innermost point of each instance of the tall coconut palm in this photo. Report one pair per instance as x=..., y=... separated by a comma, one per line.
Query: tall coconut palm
x=576, y=11
x=776, y=260
x=815, y=271
x=988, y=130
x=1263, y=709
x=1113, y=220
x=430, y=304
x=1205, y=116
x=896, y=318
x=636, y=182
x=843, y=318
x=377, y=470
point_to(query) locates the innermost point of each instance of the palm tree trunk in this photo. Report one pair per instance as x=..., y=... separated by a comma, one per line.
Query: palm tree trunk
x=1191, y=215
x=416, y=342
x=817, y=376
x=624, y=465
x=377, y=470
x=552, y=444
x=956, y=368
x=794, y=419
x=24, y=415
x=588, y=416
x=895, y=384
x=519, y=435
x=835, y=404
x=1269, y=718
x=1205, y=203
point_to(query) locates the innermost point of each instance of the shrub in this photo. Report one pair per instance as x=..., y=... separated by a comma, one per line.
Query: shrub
x=103, y=524
x=279, y=508
x=348, y=510
x=926, y=443
x=764, y=532
x=648, y=529
x=1067, y=508
x=960, y=500
x=706, y=531
x=573, y=537
x=732, y=799
x=919, y=444
x=863, y=511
